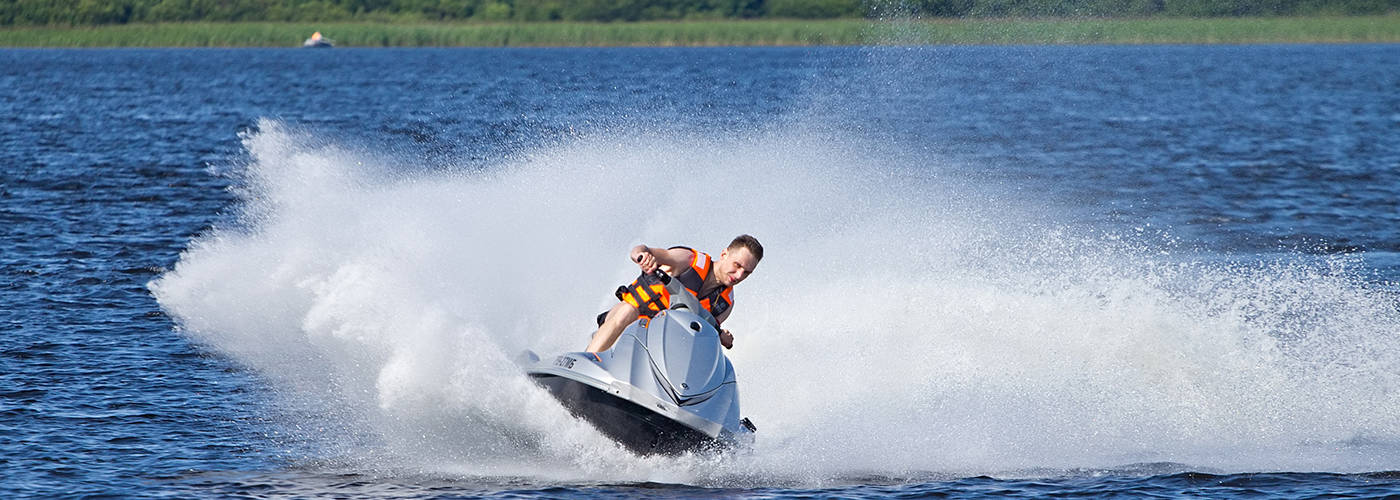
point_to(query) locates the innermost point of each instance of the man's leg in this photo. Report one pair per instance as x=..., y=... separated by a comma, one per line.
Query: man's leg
x=619, y=317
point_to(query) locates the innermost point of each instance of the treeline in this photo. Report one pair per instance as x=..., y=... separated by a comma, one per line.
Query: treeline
x=100, y=12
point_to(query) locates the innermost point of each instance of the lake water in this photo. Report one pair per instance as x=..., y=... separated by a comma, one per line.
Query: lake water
x=991, y=271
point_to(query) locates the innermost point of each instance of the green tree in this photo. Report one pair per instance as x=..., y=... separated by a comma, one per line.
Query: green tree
x=493, y=11
x=104, y=11
x=814, y=9
x=538, y=10
x=179, y=10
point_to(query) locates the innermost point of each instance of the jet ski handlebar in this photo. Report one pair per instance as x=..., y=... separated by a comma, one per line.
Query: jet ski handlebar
x=657, y=273
x=680, y=297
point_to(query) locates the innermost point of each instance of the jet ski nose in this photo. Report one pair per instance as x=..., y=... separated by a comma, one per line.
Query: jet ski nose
x=691, y=358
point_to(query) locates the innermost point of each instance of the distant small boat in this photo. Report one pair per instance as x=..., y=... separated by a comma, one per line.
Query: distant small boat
x=318, y=42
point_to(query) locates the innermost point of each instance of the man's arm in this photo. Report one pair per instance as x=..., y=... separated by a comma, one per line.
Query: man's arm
x=719, y=320
x=726, y=339
x=648, y=258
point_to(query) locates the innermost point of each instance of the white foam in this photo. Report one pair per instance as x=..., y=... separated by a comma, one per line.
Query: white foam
x=900, y=321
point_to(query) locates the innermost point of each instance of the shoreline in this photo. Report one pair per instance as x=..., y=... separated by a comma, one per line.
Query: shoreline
x=839, y=32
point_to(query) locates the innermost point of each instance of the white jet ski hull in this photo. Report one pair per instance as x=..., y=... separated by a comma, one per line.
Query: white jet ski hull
x=664, y=388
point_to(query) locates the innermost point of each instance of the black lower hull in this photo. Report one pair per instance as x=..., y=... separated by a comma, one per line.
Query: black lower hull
x=635, y=427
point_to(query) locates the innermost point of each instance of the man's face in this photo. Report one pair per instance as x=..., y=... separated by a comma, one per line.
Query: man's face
x=735, y=264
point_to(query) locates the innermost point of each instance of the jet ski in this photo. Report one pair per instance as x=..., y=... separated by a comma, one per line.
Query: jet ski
x=664, y=388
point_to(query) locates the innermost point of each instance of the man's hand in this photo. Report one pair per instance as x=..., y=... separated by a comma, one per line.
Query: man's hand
x=642, y=256
x=726, y=339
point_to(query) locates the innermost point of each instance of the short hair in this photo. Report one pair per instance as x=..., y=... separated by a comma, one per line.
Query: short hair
x=749, y=242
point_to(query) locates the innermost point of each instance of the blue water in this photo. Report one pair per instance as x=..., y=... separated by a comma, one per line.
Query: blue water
x=1037, y=270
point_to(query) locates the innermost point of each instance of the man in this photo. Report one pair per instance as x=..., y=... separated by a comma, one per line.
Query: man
x=711, y=281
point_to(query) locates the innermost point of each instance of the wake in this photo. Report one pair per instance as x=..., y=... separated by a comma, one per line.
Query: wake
x=902, y=321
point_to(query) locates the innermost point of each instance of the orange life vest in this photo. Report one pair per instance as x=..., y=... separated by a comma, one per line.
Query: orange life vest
x=651, y=297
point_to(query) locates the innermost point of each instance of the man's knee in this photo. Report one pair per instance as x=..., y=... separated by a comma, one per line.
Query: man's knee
x=623, y=312
x=611, y=327
x=620, y=312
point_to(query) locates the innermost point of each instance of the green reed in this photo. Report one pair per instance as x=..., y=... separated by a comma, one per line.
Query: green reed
x=1365, y=29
